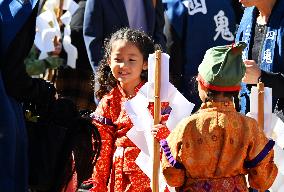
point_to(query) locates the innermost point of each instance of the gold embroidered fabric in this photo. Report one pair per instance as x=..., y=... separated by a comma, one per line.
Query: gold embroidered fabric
x=213, y=144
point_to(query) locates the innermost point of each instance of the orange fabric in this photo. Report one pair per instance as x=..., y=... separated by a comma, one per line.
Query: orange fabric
x=116, y=170
x=213, y=144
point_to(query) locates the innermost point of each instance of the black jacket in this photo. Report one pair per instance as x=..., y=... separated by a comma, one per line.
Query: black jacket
x=17, y=82
x=77, y=38
x=275, y=81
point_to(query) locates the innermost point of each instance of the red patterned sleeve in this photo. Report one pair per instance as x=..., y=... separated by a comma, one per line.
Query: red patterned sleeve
x=102, y=119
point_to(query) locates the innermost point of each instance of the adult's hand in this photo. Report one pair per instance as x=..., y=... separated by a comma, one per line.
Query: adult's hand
x=253, y=72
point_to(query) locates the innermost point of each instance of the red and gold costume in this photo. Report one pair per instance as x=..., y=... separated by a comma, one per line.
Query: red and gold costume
x=215, y=148
x=116, y=170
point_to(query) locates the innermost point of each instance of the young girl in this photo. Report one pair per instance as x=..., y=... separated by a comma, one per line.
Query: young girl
x=215, y=148
x=122, y=73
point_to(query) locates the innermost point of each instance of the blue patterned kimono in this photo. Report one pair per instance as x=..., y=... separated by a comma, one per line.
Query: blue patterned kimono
x=272, y=58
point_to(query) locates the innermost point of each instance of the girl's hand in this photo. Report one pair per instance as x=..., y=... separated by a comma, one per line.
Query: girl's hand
x=160, y=131
x=58, y=48
x=253, y=72
x=156, y=128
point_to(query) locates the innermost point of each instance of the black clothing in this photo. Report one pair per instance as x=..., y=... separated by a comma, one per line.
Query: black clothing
x=18, y=83
x=77, y=38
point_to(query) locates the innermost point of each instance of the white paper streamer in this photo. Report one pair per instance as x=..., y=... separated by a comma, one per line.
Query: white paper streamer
x=70, y=5
x=164, y=74
x=273, y=128
x=278, y=131
x=48, y=27
x=267, y=109
x=181, y=108
x=71, y=50
x=278, y=184
x=137, y=110
x=45, y=32
x=51, y=4
x=66, y=18
x=140, y=133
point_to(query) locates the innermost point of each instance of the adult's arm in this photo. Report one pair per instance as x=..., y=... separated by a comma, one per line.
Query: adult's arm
x=93, y=31
x=270, y=79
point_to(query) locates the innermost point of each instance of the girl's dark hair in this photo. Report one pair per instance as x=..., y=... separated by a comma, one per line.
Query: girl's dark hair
x=211, y=94
x=140, y=39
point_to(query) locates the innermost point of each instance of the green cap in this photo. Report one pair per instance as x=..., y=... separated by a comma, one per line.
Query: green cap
x=222, y=68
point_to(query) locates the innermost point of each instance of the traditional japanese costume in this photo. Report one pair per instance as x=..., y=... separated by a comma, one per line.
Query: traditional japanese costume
x=116, y=169
x=215, y=148
x=270, y=56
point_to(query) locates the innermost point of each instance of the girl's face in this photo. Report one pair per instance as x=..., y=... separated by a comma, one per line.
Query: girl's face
x=126, y=63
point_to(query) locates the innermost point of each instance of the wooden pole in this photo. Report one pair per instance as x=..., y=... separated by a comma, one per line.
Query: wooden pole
x=59, y=12
x=157, y=118
x=260, y=116
x=51, y=74
x=154, y=3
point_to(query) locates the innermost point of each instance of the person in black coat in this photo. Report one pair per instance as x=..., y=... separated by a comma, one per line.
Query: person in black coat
x=76, y=84
x=17, y=34
x=104, y=17
x=191, y=28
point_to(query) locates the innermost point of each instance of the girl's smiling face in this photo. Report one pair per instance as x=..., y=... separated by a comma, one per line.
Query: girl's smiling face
x=126, y=63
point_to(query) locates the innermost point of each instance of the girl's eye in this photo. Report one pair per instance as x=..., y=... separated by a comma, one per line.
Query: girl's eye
x=117, y=60
x=132, y=60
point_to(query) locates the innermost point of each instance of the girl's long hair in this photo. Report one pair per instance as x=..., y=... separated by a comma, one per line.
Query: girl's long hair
x=140, y=39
